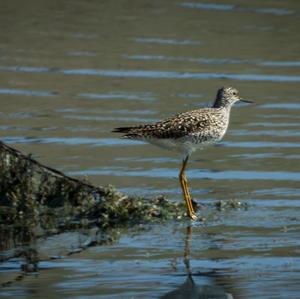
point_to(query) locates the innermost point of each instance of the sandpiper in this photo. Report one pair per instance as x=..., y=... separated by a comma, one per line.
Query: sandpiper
x=188, y=131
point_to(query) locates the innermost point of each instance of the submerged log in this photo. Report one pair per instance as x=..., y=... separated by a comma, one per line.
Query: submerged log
x=31, y=191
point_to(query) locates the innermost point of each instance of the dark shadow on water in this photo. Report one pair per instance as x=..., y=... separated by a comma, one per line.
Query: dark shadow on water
x=17, y=247
x=190, y=289
x=21, y=253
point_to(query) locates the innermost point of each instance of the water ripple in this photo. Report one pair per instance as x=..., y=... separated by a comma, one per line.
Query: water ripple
x=145, y=96
x=277, y=133
x=266, y=156
x=25, y=92
x=260, y=144
x=111, y=118
x=68, y=141
x=279, y=191
x=237, y=8
x=193, y=174
x=290, y=116
x=187, y=59
x=270, y=124
x=167, y=41
x=281, y=106
x=203, y=60
x=295, y=63
x=153, y=74
x=123, y=142
x=106, y=112
x=81, y=53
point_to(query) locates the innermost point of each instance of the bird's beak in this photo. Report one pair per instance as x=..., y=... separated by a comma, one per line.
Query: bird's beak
x=246, y=101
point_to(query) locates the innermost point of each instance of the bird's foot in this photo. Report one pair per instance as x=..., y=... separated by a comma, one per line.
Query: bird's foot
x=193, y=216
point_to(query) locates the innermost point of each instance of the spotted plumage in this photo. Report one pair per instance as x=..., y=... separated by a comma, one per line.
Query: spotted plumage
x=185, y=132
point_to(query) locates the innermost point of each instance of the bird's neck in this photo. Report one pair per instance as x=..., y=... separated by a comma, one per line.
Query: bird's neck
x=225, y=112
x=225, y=108
x=219, y=103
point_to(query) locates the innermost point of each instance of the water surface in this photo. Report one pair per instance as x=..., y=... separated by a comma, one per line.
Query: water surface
x=69, y=74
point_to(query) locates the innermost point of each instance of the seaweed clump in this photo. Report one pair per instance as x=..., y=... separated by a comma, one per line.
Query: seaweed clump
x=34, y=194
x=231, y=204
x=117, y=208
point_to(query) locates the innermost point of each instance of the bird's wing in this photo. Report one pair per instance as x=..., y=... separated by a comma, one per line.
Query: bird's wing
x=177, y=126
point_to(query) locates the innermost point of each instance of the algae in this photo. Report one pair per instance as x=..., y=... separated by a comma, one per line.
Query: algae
x=32, y=193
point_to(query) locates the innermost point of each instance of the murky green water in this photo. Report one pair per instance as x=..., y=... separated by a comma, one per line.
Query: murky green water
x=70, y=71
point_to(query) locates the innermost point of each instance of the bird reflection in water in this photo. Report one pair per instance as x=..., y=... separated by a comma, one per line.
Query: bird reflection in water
x=189, y=289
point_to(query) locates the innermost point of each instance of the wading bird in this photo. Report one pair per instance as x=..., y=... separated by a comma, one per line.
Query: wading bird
x=188, y=131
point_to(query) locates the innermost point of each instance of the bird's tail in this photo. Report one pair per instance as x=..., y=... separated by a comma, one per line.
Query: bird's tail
x=129, y=132
x=122, y=130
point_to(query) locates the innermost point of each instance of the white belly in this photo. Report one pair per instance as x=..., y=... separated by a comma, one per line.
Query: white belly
x=185, y=146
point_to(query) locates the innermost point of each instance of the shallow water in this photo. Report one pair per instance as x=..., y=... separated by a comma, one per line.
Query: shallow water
x=71, y=72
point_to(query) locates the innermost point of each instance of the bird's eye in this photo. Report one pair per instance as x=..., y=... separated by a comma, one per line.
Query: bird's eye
x=234, y=93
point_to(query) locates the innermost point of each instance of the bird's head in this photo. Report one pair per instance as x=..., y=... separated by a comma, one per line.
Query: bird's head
x=227, y=96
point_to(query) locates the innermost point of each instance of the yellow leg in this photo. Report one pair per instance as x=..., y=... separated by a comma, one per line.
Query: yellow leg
x=188, y=193
x=185, y=190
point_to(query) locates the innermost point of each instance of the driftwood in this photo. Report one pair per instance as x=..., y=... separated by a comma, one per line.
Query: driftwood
x=31, y=191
